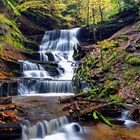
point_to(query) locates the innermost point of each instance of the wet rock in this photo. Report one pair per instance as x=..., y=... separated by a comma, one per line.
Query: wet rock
x=111, y=113
x=118, y=122
x=50, y=56
x=135, y=114
x=10, y=131
x=31, y=45
x=6, y=100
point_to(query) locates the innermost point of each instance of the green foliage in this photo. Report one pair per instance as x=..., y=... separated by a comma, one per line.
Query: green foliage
x=115, y=98
x=13, y=35
x=74, y=11
x=98, y=116
x=105, y=44
x=107, y=52
x=12, y=25
x=33, y=4
x=111, y=87
x=134, y=61
x=13, y=7
x=83, y=73
x=16, y=42
x=123, y=38
x=51, y=10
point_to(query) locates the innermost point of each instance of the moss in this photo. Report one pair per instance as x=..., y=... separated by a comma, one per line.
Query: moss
x=36, y=4
x=16, y=12
x=16, y=42
x=111, y=87
x=116, y=98
x=11, y=33
x=123, y=38
x=1, y=39
x=52, y=11
x=105, y=45
x=129, y=75
x=134, y=61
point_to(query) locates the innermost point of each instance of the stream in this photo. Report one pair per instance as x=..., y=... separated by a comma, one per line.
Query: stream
x=52, y=75
x=57, y=48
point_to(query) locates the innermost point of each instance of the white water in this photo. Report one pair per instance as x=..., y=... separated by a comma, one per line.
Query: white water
x=60, y=44
x=126, y=117
x=45, y=86
x=59, y=129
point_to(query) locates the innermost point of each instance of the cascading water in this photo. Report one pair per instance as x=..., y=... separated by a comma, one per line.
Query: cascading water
x=31, y=70
x=127, y=118
x=57, y=47
x=54, y=129
x=52, y=76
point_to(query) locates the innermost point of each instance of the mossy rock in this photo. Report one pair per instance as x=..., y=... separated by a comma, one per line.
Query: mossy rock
x=123, y=38
x=134, y=61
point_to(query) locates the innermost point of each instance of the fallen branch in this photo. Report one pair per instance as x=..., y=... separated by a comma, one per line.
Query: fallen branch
x=90, y=109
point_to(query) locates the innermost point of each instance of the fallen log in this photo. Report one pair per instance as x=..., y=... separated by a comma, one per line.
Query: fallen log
x=85, y=111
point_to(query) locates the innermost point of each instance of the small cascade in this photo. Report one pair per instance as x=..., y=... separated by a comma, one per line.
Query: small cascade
x=31, y=70
x=43, y=57
x=127, y=118
x=57, y=47
x=53, y=129
x=44, y=86
x=125, y=115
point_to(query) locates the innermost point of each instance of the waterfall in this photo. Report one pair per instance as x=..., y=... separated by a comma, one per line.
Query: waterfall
x=43, y=128
x=30, y=87
x=125, y=116
x=51, y=129
x=34, y=70
x=57, y=47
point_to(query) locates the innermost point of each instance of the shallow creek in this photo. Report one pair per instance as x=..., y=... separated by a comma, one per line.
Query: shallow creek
x=48, y=108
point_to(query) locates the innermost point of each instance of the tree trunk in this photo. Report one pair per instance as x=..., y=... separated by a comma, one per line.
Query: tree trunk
x=108, y=28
